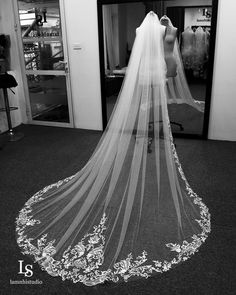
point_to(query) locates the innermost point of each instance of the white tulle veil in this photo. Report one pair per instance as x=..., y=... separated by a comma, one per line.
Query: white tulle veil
x=128, y=213
x=177, y=87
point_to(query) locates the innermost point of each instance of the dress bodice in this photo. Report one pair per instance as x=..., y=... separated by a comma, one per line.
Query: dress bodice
x=169, y=43
x=187, y=48
x=200, y=39
x=187, y=41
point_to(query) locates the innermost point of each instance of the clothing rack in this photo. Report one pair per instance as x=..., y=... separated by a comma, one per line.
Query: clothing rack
x=208, y=28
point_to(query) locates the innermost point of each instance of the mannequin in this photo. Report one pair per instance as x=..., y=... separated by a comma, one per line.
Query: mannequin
x=200, y=56
x=169, y=41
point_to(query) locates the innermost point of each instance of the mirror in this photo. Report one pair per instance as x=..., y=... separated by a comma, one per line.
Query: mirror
x=189, y=91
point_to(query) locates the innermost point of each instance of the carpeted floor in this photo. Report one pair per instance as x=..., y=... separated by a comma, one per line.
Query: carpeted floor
x=190, y=118
x=47, y=154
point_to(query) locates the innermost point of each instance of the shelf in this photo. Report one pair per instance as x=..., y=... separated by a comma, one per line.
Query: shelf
x=42, y=39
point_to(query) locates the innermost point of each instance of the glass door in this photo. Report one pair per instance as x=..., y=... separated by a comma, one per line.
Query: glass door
x=45, y=62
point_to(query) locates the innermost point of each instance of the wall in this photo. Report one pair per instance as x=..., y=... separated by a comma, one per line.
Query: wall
x=188, y=3
x=133, y=21
x=17, y=100
x=81, y=26
x=125, y=21
x=122, y=30
x=223, y=105
x=194, y=17
x=116, y=32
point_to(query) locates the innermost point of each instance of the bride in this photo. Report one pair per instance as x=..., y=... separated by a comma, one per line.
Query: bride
x=128, y=213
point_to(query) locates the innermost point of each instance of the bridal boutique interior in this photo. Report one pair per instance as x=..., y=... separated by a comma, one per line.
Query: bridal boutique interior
x=80, y=84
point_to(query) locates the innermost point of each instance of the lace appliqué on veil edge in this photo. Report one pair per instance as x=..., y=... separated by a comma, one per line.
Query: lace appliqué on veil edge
x=81, y=263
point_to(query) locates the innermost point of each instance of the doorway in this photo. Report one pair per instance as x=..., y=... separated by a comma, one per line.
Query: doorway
x=44, y=59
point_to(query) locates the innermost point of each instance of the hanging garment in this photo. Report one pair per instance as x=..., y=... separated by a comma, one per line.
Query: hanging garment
x=200, y=56
x=188, y=48
x=207, y=42
x=109, y=52
x=177, y=87
x=128, y=213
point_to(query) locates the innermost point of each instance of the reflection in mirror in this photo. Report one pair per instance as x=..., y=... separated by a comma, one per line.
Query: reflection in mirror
x=189, y=23
x=42, y=41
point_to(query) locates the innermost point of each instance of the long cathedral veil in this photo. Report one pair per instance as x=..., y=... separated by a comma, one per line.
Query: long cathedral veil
x=128, y=213
x=177, y=87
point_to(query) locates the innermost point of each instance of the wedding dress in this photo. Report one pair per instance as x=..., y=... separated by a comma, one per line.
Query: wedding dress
x=188, y=47
x=200, y=57
x=109, y=56
x=128, y=213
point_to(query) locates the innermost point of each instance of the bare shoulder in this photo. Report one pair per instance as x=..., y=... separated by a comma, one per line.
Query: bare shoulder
x=174, y=30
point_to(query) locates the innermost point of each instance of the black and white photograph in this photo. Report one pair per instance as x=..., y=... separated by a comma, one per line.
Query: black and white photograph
x=118, y=147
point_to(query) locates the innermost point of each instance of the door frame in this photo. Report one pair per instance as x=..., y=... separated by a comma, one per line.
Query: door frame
x=48, y=72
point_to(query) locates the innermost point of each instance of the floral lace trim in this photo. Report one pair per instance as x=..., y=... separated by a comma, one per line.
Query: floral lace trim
x=82, y=262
